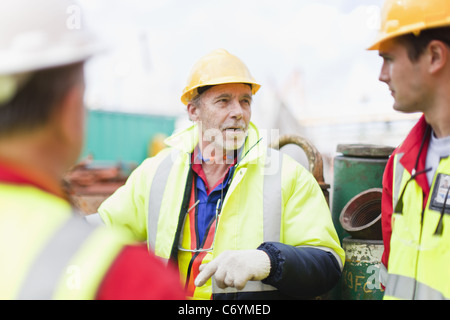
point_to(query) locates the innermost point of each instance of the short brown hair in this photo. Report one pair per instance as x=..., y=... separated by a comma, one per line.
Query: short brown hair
x=416, y=44
x=39, y=97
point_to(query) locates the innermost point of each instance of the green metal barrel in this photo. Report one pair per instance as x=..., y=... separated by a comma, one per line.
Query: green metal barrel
x=360, y=167
x=360, y=277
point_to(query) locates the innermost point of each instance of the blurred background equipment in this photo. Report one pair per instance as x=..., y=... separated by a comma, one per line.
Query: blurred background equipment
x=116, y=143
x=90, y=182
x=315, y=162
x=121, y=136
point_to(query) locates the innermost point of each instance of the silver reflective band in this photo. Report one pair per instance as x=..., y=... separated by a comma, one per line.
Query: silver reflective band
x=398, y=175
x=156, y=194
x=383, y=275
x=53, y=260
x=251, y=286
x=407, y=288
x=272, y=197
x=94, y=219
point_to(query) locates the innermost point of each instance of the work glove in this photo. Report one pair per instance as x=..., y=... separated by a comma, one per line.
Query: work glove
x=235, y=268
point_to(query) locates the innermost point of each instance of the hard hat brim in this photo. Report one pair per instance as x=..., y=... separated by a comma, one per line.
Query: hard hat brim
x=189, y=95
x=13, y=64
x=414, y=29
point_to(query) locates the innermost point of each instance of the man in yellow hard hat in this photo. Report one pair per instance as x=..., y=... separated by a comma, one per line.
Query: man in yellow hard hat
x=47, y=250
x=414, y=42
x=241, y=221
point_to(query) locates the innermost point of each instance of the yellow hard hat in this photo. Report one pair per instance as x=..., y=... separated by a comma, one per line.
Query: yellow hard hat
x=217, y=67
x=399, y=17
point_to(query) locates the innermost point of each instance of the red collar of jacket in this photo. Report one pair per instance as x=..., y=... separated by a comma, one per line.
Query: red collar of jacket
x=20, y=175
x=198, y=169
x=411, y=149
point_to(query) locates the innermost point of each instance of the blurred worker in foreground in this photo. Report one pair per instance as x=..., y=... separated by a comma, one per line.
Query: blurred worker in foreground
x=222, y=205
x=414, y=42
x=47, y=250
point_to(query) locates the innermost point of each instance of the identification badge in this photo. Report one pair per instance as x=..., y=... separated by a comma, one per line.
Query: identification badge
x=441, y=195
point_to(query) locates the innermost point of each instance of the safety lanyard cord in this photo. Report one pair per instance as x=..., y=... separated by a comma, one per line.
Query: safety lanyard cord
x=186, y=198
x=440, y=225
x=184, y=209
x=414, y=173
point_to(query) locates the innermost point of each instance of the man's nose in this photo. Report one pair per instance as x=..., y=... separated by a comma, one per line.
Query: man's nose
x=236, y=109
x=384, y=74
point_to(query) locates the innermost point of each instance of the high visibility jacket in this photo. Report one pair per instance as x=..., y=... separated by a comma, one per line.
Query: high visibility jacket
x=416, y=256
x=271, y=198
x=47, y=252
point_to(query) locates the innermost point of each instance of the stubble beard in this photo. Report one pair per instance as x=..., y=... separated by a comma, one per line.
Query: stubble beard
x=222, y=142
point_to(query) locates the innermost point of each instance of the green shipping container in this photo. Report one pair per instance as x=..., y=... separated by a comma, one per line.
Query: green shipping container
x=123, y=137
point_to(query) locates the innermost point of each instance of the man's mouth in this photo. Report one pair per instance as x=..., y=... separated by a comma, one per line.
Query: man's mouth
x=234, y=129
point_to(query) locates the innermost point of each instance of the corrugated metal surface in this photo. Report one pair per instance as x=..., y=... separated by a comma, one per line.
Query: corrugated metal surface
x=116, y=136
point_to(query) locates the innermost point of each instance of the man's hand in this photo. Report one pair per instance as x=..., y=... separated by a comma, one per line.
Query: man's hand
x=235, y=268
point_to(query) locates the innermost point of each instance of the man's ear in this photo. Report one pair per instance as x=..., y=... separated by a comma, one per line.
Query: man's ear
x=71, y=115
x=193, y=111
x=438, y=53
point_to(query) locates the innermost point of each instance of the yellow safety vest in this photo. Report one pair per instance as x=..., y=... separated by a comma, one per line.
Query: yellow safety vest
x=419, y=259
x=47, y=252
x=271, y=198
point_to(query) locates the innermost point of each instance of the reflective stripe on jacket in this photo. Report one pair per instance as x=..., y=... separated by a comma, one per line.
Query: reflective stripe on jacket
x=271, y=198
x=48, y=252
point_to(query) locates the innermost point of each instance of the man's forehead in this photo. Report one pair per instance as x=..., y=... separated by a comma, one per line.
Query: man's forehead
x=230, y=89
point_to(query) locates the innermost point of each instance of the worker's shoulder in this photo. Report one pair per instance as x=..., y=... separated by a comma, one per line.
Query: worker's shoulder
x=32, y=200
x=167, y=154
x=294, y=174
x=292, y=165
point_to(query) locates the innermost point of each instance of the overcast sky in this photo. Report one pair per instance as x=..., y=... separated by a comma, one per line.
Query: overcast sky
x=309, y=53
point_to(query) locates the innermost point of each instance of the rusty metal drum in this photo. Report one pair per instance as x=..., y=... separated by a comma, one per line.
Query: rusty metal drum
x=360, y=277
x=357, y=168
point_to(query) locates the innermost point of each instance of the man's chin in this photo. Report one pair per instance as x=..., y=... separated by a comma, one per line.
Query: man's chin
x=405, y=109
x=234, y=143
x=232, y=146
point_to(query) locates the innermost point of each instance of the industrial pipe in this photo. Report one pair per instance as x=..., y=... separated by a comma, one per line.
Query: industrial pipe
x=315, y=161
x=361, y=216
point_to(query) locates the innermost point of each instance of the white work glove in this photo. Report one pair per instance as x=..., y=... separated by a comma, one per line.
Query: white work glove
x=235, y=268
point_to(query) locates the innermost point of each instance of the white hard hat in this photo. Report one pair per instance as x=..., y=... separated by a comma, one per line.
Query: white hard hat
x=38, y=34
